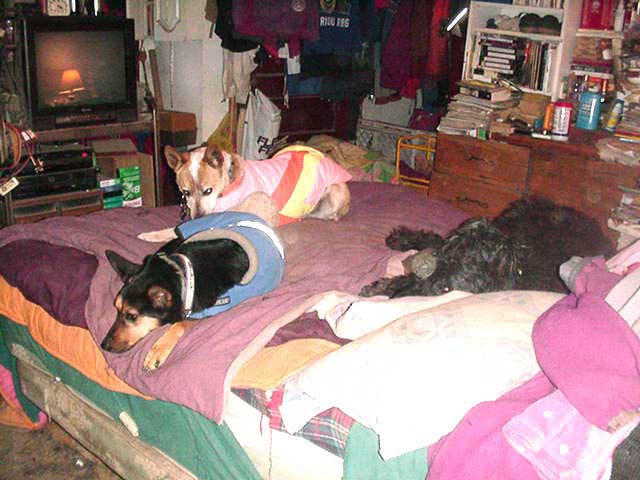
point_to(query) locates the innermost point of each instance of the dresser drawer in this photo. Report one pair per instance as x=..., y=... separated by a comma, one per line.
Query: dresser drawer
x=494, y=162
x=476, y=197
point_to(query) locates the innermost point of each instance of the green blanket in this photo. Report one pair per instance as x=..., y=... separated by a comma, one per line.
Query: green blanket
x=208, y=450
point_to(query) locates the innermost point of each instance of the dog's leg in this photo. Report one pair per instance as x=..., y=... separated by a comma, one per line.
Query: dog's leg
x=391, y=286
x=164, y=345
x=158, y=235
x=334, y=204
x=403, y=239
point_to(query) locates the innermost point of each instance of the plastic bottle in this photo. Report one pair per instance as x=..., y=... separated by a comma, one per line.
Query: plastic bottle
x=561, y=120
x=589, y=108
x=547, y=123
x=614, y=115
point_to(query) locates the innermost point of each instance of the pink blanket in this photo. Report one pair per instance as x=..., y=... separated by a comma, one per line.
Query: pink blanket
x=320, y=256
x=586, y=350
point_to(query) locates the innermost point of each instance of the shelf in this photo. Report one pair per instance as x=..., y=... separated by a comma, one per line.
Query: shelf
x=511, y=33
x=99, y=130
x=513, y=10
x=583, y=32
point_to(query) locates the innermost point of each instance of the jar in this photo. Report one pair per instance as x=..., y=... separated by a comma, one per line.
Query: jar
x=561, y=120
x=588, y=116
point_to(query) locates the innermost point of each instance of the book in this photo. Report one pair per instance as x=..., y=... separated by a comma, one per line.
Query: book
x=511, y=56
x=495, y=96
x=506, y=61
x=491, y=48
x=497, y=67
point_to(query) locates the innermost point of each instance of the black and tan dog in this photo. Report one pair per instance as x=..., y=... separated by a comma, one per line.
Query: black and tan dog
x=522, y=249
x=225, y=259
x=152, y=294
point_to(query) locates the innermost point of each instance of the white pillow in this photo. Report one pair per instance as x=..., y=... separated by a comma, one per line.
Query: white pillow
x=413, y=380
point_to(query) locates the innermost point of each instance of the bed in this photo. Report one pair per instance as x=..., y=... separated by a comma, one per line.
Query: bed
x=292, y=384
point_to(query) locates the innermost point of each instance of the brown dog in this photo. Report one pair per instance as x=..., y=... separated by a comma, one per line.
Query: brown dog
x=295, y=183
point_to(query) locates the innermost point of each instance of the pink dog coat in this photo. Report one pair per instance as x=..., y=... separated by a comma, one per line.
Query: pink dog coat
x=295, y=179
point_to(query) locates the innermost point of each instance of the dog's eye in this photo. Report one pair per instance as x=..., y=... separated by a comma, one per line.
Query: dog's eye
x=130, y=317
x=186, y=193
x=208, y=191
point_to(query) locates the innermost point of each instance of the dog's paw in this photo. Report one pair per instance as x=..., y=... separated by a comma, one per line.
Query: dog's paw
x=379, y=287
x=158, y=235
x=157, y=355
x=163, y=347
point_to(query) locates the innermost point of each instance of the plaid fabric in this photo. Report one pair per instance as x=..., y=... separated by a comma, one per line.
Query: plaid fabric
x=328, y=430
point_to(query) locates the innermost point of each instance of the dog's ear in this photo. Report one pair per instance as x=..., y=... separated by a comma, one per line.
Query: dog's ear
x=161, y=298
x=123, y=267
x=213, y=156
x=174, y=159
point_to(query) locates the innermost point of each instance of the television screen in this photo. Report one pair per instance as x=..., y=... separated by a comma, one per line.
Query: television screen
x=79, y=68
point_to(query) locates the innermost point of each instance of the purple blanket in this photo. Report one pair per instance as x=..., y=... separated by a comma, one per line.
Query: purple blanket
x=586, y=350
x=320, y=256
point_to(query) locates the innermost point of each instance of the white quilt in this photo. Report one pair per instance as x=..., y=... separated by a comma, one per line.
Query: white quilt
x=412, y=380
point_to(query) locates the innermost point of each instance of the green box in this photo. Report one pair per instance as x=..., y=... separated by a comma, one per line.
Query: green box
x=129, y=171
x=131, y=188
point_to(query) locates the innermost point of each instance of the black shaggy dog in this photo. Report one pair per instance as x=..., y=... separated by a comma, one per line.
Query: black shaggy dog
x=521, y=249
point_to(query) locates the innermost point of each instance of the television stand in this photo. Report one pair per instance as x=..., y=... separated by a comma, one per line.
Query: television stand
x=75, y=203
x=144, y=124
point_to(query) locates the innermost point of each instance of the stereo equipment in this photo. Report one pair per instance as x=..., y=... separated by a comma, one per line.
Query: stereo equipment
x=49, y=183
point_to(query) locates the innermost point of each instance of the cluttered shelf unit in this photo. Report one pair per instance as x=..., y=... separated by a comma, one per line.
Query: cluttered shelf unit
x=527, y=43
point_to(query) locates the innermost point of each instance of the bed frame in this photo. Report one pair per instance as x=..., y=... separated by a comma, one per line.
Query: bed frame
x=114, y=444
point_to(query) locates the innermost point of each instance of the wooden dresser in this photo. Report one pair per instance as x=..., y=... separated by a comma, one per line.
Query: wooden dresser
x=482, y=177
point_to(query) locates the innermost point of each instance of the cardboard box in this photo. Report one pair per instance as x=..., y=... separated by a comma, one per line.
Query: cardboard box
x=178, y=129
x=109, y=166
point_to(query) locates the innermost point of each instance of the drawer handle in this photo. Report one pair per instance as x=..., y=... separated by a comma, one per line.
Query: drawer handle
x=484, y=163
x=471, y=200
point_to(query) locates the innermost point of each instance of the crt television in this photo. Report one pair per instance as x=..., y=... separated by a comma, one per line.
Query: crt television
x=79, y=70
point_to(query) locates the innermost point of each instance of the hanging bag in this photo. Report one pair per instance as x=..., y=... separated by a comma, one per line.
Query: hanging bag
x=261, y=126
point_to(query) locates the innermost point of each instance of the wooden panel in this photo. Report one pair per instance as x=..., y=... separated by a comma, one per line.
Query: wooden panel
x=557, y=177
x=27, y=210
x=476, y=197
x=110, y=441
x=494, y=162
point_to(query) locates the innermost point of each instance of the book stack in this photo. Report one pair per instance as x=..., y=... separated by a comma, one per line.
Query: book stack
x=525, y=62
x=628, y=127
x=484, y=90
x=628, y=211
x=473, y=112
x=499, y=56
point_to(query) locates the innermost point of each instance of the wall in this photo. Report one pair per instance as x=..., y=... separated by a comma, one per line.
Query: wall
x=189, y=62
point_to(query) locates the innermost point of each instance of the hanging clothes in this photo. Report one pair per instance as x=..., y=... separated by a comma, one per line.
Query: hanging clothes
x=273, y=22
x=415, y=49
x=225, y=30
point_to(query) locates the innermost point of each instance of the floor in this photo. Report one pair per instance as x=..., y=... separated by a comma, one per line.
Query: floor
x=49, y=453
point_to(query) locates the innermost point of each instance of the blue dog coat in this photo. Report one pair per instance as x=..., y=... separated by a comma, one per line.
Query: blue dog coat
x=260, y=242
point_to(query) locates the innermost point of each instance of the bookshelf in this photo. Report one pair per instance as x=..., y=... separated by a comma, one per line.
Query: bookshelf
x=552, y=53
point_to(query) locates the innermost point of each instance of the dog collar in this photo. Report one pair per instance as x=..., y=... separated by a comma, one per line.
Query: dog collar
x=187, y=279
x=188, y=283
